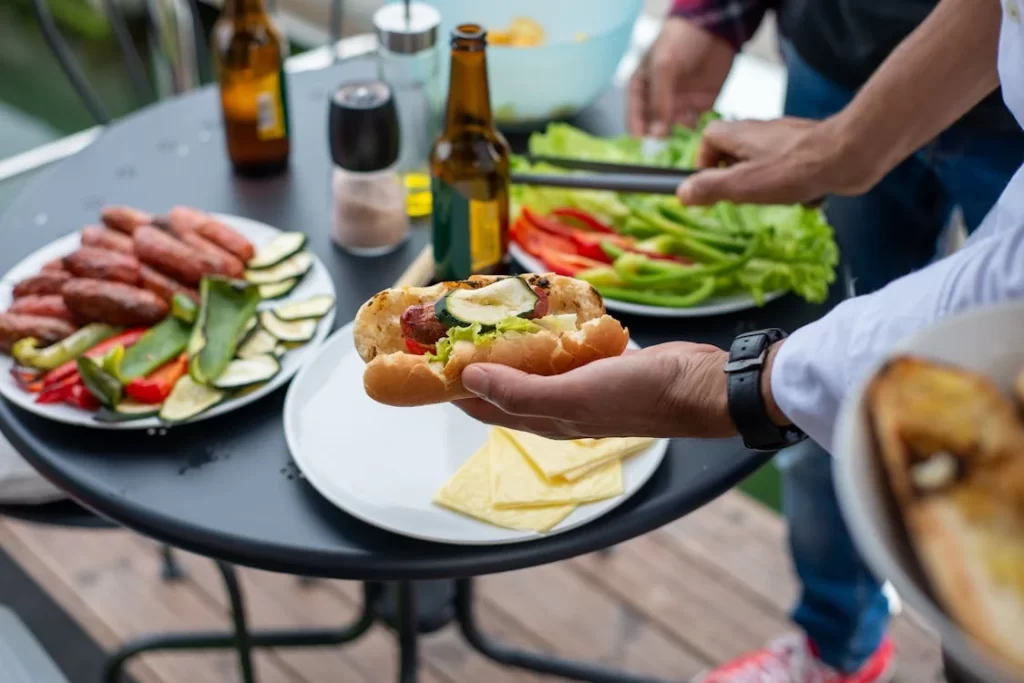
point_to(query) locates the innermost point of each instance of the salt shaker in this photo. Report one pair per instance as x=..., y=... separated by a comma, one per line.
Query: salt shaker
x=369, y=215
x=409, y=60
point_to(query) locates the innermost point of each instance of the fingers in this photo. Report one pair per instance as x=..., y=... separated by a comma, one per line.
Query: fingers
x=636, y=107
x=491, y=414
x=769, y=181
x=519, y=393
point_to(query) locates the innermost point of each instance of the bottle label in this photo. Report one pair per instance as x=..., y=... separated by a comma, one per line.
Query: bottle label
x=270, y=122
x=466, y=232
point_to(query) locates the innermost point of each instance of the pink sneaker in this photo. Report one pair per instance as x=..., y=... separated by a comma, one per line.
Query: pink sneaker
x=793, y=659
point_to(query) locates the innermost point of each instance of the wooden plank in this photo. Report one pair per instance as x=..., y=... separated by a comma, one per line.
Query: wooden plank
x=737, y=537
x=581, y=622
x=122, y=589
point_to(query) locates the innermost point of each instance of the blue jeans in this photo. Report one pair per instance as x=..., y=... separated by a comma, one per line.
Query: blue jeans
x=888, y=232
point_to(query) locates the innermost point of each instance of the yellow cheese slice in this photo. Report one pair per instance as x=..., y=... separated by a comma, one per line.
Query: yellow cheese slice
x=469, y=492
x=561, y=458
x=585, y=470
x=517, y=483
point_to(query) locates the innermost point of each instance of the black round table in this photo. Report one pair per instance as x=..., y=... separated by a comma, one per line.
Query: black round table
x=227, y=487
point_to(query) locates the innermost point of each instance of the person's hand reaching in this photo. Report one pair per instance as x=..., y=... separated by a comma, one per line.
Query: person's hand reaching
x=678, y=79
x=669, y=390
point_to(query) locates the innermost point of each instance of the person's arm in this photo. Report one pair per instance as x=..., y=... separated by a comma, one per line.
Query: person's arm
x=817, y=366
x=937, y=74
x=734, y=21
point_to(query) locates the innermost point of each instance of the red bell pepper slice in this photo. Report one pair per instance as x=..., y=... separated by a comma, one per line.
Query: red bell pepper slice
x=587, y=220
x=27, y=379
x=548, y=224
x=416, y=348
x=567, y=264
x=589, y=244
x=80, y=397
x=535, y=241
x=59, y=392
x=156, y=387
x=125, y=339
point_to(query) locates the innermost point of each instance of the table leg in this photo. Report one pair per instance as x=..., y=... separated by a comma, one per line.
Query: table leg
x=242, y=642
x=545, y=664
x=408, y=633
x=170, y=569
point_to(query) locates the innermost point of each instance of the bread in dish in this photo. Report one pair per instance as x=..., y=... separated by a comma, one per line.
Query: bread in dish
x=953, y=446
x=416, y=341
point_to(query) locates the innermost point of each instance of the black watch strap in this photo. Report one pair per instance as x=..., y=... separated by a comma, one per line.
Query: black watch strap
x=744, y=371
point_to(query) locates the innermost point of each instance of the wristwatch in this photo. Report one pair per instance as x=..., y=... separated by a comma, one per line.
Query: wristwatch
x=747, y=357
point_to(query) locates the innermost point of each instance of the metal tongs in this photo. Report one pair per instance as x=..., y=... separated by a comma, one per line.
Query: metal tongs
x=603, y=175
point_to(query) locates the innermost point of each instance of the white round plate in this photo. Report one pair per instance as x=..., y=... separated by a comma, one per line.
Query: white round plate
x=985, y=341
x=316, y=282
x=718, y=305
x=383, y=464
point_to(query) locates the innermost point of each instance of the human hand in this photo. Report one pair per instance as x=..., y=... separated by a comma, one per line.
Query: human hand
x=678, y=79
x=669, y=390
x=784, y=161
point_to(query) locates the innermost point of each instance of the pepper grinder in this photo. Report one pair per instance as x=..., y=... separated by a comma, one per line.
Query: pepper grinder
x=369, y=214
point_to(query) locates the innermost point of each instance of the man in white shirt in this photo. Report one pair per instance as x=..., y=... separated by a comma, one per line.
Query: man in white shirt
x=680, y=389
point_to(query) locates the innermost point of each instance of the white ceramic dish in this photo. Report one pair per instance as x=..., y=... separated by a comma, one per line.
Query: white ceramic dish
x=719, y=305
x=316, y=282
x=986, y=341
x=383, y=464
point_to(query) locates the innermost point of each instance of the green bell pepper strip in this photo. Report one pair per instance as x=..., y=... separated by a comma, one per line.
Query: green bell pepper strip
x=224, y=310
x=162, y=343
x=730, y=218
x=650, y=298
x=714, y=239
x=105, y=387
x=641, y=272
x=604, y=276
x=27, y=351
x=184, y=308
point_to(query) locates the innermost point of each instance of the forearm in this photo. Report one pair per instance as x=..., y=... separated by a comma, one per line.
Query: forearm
x=937, y=74
x=819, y=364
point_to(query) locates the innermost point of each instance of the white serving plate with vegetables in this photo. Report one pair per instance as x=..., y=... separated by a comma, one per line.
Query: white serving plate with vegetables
x=288, y=320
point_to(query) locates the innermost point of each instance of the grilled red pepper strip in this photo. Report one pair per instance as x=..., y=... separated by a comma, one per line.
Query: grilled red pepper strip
x=125, y=339
x=59, y=392
x=156, y=387
x=589, y=221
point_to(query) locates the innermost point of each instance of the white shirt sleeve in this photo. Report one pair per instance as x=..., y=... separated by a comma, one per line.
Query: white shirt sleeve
x=818, y=364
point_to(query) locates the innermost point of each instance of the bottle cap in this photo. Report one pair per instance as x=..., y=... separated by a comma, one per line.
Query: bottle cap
x=363, y=127
x=407, y=33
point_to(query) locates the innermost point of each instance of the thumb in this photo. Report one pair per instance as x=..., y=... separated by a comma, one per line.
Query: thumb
x=514, y=391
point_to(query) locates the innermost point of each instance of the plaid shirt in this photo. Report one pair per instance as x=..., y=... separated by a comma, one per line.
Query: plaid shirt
x=735, y=21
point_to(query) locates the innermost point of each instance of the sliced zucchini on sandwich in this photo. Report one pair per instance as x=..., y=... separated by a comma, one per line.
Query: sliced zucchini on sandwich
x=243, y=373
x=314, y=307
x=189, y=398
x=275, y=290
x=508, y=297
x=292, y=267
x=127, y=410
x=260, y=343
x=283, y=246
x=288, y=331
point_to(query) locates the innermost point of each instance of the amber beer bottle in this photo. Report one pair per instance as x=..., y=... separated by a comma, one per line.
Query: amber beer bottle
x=469, y=168
x=250, y=51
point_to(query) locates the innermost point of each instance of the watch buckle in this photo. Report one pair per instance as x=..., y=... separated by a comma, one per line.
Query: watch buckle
x=741, y=364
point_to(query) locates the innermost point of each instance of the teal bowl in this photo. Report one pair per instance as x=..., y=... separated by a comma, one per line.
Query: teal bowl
x=532, y=85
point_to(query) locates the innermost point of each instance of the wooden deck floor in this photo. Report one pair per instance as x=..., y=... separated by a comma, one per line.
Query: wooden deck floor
x=711, y=586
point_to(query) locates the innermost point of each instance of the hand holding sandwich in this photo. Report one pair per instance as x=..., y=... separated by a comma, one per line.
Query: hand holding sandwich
x=670, y=390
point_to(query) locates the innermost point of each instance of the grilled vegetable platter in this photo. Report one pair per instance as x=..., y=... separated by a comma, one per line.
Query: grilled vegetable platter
x=649, y=254
x=226, y=333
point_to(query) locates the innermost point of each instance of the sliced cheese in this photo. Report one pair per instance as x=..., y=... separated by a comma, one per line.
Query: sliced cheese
x=469, y=492
x=517, y=483
x=572, y=460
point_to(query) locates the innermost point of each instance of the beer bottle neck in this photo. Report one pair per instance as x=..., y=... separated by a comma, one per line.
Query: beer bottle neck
x=244, y=8
x=469, y=99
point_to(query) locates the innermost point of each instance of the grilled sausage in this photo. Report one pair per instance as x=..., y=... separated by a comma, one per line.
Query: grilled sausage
x=56, y=265
x=215, y=260
x=43, y=305
x=124, y=218
x=420, y=323
x=227, y=238
x=182, y=219
x=114, y=303
x=173, y=258
x=163, y=286
x=103, y=264
x=14, y=326
x=47, y=282
x=105, y=238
